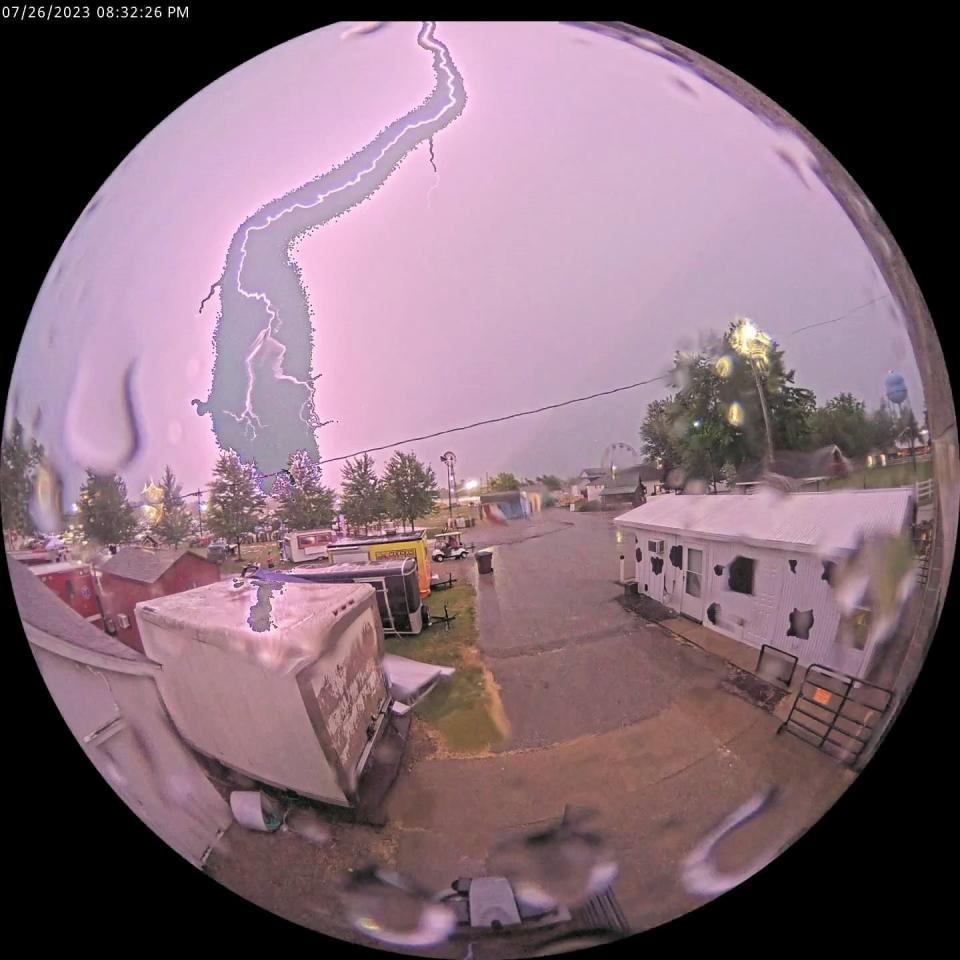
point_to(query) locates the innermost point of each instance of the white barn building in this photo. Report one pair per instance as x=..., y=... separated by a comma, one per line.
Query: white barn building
x=757, y=568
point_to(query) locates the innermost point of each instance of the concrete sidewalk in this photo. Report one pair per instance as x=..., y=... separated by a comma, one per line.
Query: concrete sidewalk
x=659, y=786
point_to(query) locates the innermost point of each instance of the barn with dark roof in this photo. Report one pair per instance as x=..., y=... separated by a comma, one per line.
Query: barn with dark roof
x=134, y=574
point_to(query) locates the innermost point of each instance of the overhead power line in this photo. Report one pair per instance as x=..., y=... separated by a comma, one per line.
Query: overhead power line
x=844, y=316
x=509, y=416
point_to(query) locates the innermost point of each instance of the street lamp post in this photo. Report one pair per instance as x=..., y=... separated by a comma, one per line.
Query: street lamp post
x=763, y=408
x=752, y=344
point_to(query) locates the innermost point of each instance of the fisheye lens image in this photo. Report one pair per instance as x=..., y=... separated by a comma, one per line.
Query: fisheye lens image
x=476, y=515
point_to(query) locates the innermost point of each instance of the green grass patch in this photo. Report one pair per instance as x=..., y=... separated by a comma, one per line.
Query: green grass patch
x=893, y=475
x=460, y=708
x=457, y=709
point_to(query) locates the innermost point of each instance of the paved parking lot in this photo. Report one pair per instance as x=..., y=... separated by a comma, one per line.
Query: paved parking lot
x=607, y=711
x=568, y=658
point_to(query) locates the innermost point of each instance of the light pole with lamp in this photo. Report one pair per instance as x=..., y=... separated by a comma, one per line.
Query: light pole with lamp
x=754, y=345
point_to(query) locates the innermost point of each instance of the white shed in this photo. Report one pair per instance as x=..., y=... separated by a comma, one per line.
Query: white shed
x=757, y=568
x=107, y=694
x=281, y=681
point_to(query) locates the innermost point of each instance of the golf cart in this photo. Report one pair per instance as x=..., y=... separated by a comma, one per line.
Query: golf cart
x=448, y=546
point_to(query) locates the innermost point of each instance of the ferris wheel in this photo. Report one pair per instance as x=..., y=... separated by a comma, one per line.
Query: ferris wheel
x=619, y=455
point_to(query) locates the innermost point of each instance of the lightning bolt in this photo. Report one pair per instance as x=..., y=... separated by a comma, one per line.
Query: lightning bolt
x=213, y=289
x=436, y=173
x=376, y=163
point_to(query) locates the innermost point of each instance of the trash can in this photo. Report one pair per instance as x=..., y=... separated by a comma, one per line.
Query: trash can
x=485, y=561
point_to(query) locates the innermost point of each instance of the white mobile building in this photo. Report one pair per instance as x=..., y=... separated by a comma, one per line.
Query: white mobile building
x=281, y=681
x=757, y=568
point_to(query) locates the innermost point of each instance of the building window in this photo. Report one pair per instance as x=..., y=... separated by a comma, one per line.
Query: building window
x=740, y=575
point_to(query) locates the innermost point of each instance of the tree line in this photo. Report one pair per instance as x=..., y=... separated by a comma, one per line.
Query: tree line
x=713, y=421
x=236, y=504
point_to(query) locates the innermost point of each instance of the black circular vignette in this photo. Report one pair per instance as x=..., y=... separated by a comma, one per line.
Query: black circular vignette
x=82, y=95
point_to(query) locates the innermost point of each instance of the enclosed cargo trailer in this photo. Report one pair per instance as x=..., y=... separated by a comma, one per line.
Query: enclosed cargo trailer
x=396, y=583
x=281, y=681
x=393, y=546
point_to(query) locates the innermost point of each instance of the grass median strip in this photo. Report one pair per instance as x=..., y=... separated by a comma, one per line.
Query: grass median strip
x=463, y=709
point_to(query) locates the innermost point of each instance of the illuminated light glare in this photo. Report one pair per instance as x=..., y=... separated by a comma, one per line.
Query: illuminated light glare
x=471, y=485
x=724, y=366
x=749, y=341
x=735, y=414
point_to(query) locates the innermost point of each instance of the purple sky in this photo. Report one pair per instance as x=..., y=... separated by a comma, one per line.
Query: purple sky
x=591, y=215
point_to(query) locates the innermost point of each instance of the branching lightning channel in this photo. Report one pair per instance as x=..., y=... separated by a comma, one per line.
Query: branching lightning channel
x=428, y=115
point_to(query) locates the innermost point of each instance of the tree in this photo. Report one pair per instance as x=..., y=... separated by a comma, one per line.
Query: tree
x=362, y=498
x=304, y=503
x=505, y=481
x=792, y=414
x=175, y=523
x=843, y=421
x=883, y=428
x=411, y=487
x=18, y=464
x=659, y=440
x=716, y=417
x=236, y=500
x=551, y=482
x=104, y=513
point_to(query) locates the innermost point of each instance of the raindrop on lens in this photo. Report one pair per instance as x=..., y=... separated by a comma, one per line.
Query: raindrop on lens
x=308, y=825
x=380, y=905
x=563, y=866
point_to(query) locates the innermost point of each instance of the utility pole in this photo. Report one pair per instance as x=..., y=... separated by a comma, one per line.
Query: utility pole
x=450, y=458
x=766, y=413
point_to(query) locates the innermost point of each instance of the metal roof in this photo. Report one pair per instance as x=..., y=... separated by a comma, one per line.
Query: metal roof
x=144, y=566
x=833, y=522
x=41, y=608
x=398, y=537
x=280, y=625
x=798, y=465
x=42, y=569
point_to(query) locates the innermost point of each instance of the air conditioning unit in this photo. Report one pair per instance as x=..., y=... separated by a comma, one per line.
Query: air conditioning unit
x=123, y=621
x=655, y=547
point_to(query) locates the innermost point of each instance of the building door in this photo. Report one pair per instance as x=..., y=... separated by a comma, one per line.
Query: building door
x=691, y=603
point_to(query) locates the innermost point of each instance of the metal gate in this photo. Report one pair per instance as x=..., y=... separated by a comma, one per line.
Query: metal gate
x=836, y=713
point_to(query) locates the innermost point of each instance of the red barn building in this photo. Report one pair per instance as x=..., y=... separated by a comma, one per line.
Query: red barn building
x=75, y=584
x=134, y=574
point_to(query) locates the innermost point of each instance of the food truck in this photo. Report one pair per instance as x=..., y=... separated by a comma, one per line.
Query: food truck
x=302, y=546
x=389, y=546
x=396, y=583
x=283, y=682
